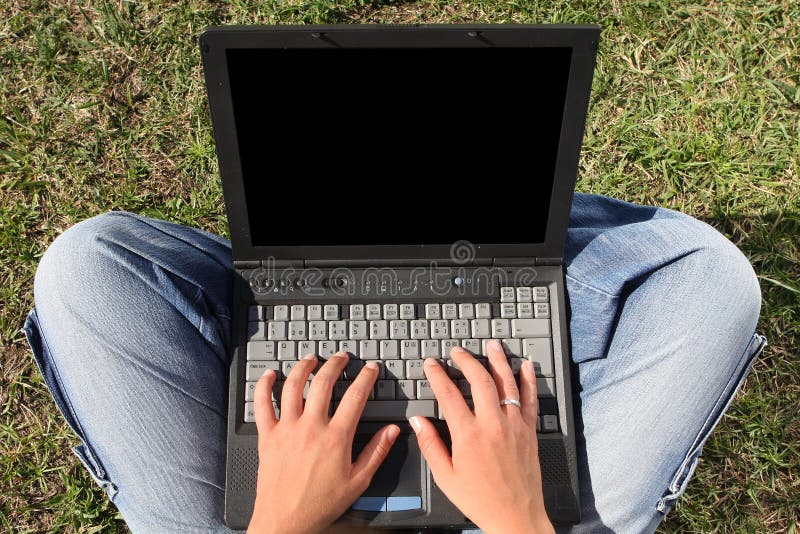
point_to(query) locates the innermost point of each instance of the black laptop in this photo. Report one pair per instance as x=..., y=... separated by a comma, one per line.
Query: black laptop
x=393, y=192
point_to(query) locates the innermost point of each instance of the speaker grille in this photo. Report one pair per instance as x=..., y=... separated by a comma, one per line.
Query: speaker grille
x=553, y=457
x=243, y=469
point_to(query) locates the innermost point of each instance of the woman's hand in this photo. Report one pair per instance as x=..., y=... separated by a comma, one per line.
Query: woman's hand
x=306, y=477
x=493, y=476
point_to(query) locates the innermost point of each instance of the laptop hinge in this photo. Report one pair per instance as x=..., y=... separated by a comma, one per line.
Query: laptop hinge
x=514, y=261
x=396, y=262
x=270, y=263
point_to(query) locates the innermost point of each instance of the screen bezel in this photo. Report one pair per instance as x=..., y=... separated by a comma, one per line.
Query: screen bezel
x=215, y=41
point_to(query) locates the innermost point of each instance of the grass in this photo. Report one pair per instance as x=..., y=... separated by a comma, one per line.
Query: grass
x=694, y=107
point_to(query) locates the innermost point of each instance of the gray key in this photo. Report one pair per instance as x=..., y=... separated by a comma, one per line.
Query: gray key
x=358, y=330
x=398, y=410
x=516, y=364
x=481, y=328
x=298, y=312
x=540, y=294
x=350, y=346
x=314, y=312
x=373, y=312
x=390, y=311
x=447, y=346
x=331, y=312
x=256, y=331
x=419, y=329
x=545, y=387
x=384, y=390
x=317, y=330
x=249, y=412
x=368, y=349
x=433, y=311
x=390, y=349
x=409, y=348
x=459, y=329
x=398, y=329
x=395, y=369
x=471, y=345
x=549, y=423
x=440, y=329
x=250, y=391
x=483, y=311
x=449, y=311
x=525, y=310
x=352, y=369
x=357, y=312
x=512, y=347
x=508, y=310
x=337, y=330
x=501, y=327
x=540, y=351
x=260, y=350
x=256, y=369
x=405, y=389
x=326, y=349
x=542, y=310
x=378, y=329
x=414, y=370
x=286, y=368
x=255, y=313
x=424, y=390
x=407, y=311
x=276, y=330
x=524, y=294
x=430, y=348
x=466, y=311
x=281, y=313
x=453, y=370
x=507, y=294
x=306, y=347
x=527, y=328
x=297, y=330
x=287, y=350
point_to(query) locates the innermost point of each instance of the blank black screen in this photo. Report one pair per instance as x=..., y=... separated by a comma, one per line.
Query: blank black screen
x=398, y=146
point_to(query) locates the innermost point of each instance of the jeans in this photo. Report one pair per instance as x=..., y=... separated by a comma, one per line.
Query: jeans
x=131, y=324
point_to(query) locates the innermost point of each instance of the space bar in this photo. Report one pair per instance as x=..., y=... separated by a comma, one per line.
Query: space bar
x=398, y=410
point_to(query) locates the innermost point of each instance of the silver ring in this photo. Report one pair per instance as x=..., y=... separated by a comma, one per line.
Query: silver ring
x=513, y=402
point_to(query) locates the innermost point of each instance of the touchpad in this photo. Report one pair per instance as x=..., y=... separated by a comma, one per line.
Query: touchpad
x=400, y=475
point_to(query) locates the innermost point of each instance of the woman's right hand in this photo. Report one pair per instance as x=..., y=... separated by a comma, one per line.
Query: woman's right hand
x=493, y=475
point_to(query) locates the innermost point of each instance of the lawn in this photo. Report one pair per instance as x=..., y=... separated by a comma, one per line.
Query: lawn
x=694, y=107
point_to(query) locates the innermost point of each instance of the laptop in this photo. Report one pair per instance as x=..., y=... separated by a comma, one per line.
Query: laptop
x=394, y=191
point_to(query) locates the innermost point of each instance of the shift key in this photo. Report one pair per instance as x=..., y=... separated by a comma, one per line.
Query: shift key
x=530, y=328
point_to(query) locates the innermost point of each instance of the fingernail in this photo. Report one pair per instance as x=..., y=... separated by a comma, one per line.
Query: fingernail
x=342, y=355
x=268, y=371
x=430, y=362
x=372, y=365
x=415, y=424
x=310, y=357
x=392, y=433
x=495, y=344
x=456, y=349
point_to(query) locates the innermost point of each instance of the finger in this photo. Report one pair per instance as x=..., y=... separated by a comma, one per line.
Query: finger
x=262, y=405
x=528, y=399
x=318, y=400
x=481, y=383
x=450, y=400
x=352, y=404
x=503, y=377
x=433, y=450
x=373, y=455
x=292, y=392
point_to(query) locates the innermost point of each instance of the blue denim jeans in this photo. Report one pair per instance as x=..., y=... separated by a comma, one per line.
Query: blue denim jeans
x=131, y=333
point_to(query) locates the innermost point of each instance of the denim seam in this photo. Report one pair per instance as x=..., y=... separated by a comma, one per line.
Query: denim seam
x=589, y=286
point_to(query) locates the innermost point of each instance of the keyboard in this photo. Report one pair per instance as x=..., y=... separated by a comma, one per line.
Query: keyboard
x=401, y=336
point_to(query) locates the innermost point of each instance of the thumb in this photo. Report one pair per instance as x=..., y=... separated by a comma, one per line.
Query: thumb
x=375, y=452
x=433, y=449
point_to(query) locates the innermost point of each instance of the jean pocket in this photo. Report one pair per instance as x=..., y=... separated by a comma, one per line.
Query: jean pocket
x=49, y=372
x=687, y=468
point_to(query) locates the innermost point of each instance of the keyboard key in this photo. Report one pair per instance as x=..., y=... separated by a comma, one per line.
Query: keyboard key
x=373, y=312
x=306, y=347
x=405, y=389
x=516, y=364
x=507, y=294
x=286, y=368
x=464, y=388
x=419, y=329
x=276, y=330
x=430, y=348
x=314, y=312
x=331, y=312
x=407, y=311
x=472, y=346
x=525, y=310
x=481, y=328
x=256, y=331
x=398, y=410
x=453, y=370
x=545, y=387
x=326, y=349
x=449, y=311
x=542, y=310
x=390, y=349
x=368, y=349
x=297, y=330
x=527, y=328
x=317, y=330
x=250, y=391
x=540, y=351
x=298, y=312
x=540, y=294
x=549, y=423
x=433, y=311
x=352, y=369
x=337, y=330
x=483, y=311
x=459, y=329
x=390, y=312
x=409, y=349
x=524, y=294
x=466, y=311
x=358, y=330
x=508, y=310
x=287, y=350
x=447, y=346
x=357, y=312
x=260, y=350
x=512, y=347
x=501, y=327
x=350, y=346
x=256, y=369
x=414, y=370
x=398, y=329
x=440, y=329
x=424, y=390
x=384, y=390
x=395, y=369
x=339, y=389
x=249, y=412
x=378, y=329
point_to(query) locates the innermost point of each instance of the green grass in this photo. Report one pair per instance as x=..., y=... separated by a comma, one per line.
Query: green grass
x=694, y=107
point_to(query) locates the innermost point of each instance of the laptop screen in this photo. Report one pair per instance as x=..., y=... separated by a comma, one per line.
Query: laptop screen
x=398, y=146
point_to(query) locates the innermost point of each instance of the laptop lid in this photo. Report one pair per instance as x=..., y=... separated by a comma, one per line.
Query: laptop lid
x=385, y=144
